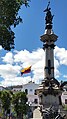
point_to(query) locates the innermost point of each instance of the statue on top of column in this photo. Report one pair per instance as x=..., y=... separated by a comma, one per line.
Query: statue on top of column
x=49, y=16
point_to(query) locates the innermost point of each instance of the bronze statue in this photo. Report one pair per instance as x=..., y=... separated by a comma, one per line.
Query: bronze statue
x=49, y=16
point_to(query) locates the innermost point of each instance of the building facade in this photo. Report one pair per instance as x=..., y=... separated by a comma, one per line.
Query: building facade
x=64, y=98
x=1, y=88
x=30, y=89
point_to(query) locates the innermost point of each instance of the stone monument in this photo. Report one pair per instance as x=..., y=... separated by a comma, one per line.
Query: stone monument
x=49, y=91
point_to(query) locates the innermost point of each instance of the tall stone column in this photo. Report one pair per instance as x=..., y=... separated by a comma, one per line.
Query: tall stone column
x=48, y=40
x=49, y=89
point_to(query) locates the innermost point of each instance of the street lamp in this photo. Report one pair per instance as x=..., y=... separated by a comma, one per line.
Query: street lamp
x=0, y=106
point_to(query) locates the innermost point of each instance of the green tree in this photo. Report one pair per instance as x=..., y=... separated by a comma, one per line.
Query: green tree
x=5, y=97
x=19, y=102
x=8, y=17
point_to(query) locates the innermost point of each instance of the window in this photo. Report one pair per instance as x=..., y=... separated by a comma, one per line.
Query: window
x=49, y=67
x=35, y=92
x=26, y=91
x=30, y=89
x=65, y=101
x=35, y=101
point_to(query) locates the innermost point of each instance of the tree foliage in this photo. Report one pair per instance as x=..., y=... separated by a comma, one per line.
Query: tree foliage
x=5, y=98
x=16, y=101
x=8, y=17
x=19, y=102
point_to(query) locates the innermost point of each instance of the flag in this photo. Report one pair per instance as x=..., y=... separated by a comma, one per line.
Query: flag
x=26, y=70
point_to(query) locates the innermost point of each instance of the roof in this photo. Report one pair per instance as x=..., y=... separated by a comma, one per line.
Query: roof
x=15, y=86
x=30, y=83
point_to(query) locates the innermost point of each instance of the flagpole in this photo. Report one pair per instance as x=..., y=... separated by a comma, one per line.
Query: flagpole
x=31, y=76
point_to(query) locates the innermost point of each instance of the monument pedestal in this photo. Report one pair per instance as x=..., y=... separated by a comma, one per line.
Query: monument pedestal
x=49, y=96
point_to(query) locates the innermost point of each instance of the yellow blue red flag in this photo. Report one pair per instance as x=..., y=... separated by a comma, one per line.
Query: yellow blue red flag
x=26, y=70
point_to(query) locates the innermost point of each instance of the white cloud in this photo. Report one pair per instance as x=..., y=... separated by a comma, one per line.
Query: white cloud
x=61, y=55
x=8, y=71
x=0, y=47
x=56, y=63
x=29, y=58
x=65, y=76
x=15, y=81
x=20, y=59
x=8, y=58
x=56, y=66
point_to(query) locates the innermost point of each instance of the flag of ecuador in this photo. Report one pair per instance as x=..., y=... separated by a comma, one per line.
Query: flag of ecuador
x=26, y=70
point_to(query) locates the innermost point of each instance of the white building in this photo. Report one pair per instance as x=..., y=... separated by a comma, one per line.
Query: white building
x=16, y=88
x=1, y=88
x=64, y=98
x=30, y=89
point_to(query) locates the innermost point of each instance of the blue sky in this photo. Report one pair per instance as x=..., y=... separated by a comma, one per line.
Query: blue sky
x=28, y=47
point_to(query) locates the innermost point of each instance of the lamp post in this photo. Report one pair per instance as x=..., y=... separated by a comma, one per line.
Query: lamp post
x=30, y=113
x=0, y=107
